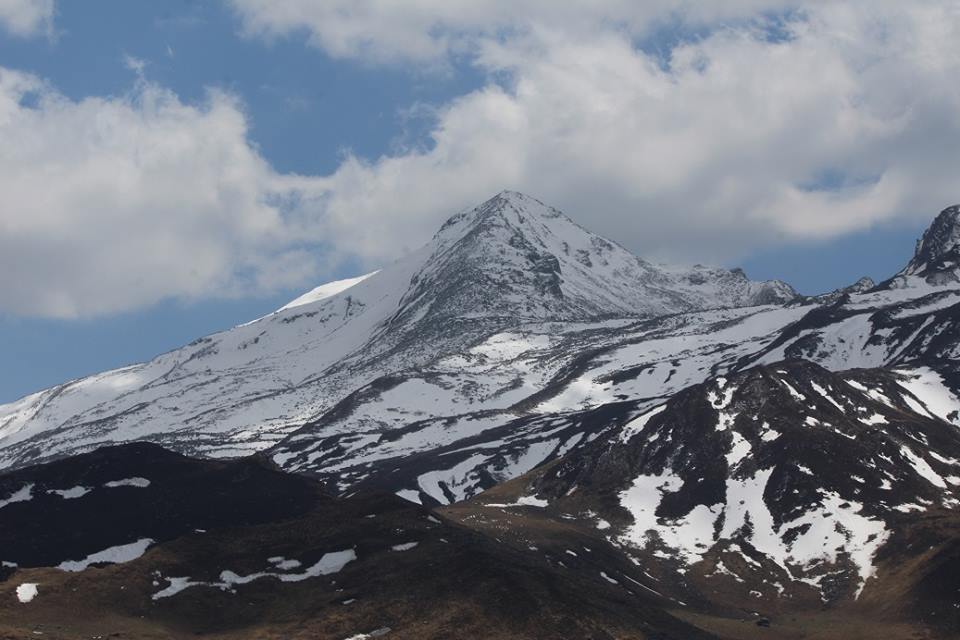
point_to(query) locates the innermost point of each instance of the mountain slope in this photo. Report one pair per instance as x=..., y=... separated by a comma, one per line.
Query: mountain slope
x=784, y=489
x=383, y=385
x=524, y=383
x=786, y=453
x=510, y=260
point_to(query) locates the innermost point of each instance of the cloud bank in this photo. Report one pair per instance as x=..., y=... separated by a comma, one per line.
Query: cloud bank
x=708, y=129
x=686, y=132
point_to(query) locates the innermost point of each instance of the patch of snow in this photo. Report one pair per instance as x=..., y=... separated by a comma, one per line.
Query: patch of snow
x=139, y=483
x=532, y=501
x=928, y=386
x=823, y=392
x=837, y=525
x=944, y=460
x=856, y=385
x=690, y=536
x=641, y=585
x=23, y=494
x=410, y=495
x=637, y=425
x=907, y=508
x=325, y=291
x=820, y=534
x=739, y=450
x=72, y=493
x=329, y=563
x=793, y=392
x=879, y=397
x=721, y=569
x=725, y=419
x=523, y=501
x=922, y=467
x=283, y=564
x=113, y=555
x=406, y=546
x=27, y=591
x=459, y=480
x=176, y=585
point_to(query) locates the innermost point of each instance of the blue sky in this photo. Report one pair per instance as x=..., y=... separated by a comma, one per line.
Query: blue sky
x=331, y=127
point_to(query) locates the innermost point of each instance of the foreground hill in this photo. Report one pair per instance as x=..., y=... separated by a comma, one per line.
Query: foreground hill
x=186, y=548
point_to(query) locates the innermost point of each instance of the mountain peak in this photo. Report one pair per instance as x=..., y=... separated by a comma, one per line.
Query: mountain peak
x=515, y=196
x=941, y=237
x=514, y=256
x=938, y=251
x=507, y=207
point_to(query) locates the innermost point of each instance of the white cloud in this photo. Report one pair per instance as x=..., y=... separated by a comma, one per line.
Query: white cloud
x=430, y=30
x=109, y=204
x=845, y=118
x=27, y=17
x=710, y=147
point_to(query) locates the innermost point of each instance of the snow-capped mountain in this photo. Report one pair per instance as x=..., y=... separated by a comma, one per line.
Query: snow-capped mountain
x=654, y=451
x=506, y=262
x=477, y=358
x=515, y=257
x=503, y=406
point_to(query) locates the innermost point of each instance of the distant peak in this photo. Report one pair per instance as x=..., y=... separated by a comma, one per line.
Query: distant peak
x=519, y=201
x=942, y=235
x=507, y=194
x=938, y=249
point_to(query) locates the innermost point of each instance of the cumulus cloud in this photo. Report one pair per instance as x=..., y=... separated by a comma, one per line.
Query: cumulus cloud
x=817, y=120
x=109, y=204
x=26, y=17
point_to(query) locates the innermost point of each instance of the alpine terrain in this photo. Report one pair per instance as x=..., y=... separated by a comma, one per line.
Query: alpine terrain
x=520, y=430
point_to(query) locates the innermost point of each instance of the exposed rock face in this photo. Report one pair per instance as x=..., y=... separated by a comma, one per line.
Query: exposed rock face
x=937, y=256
